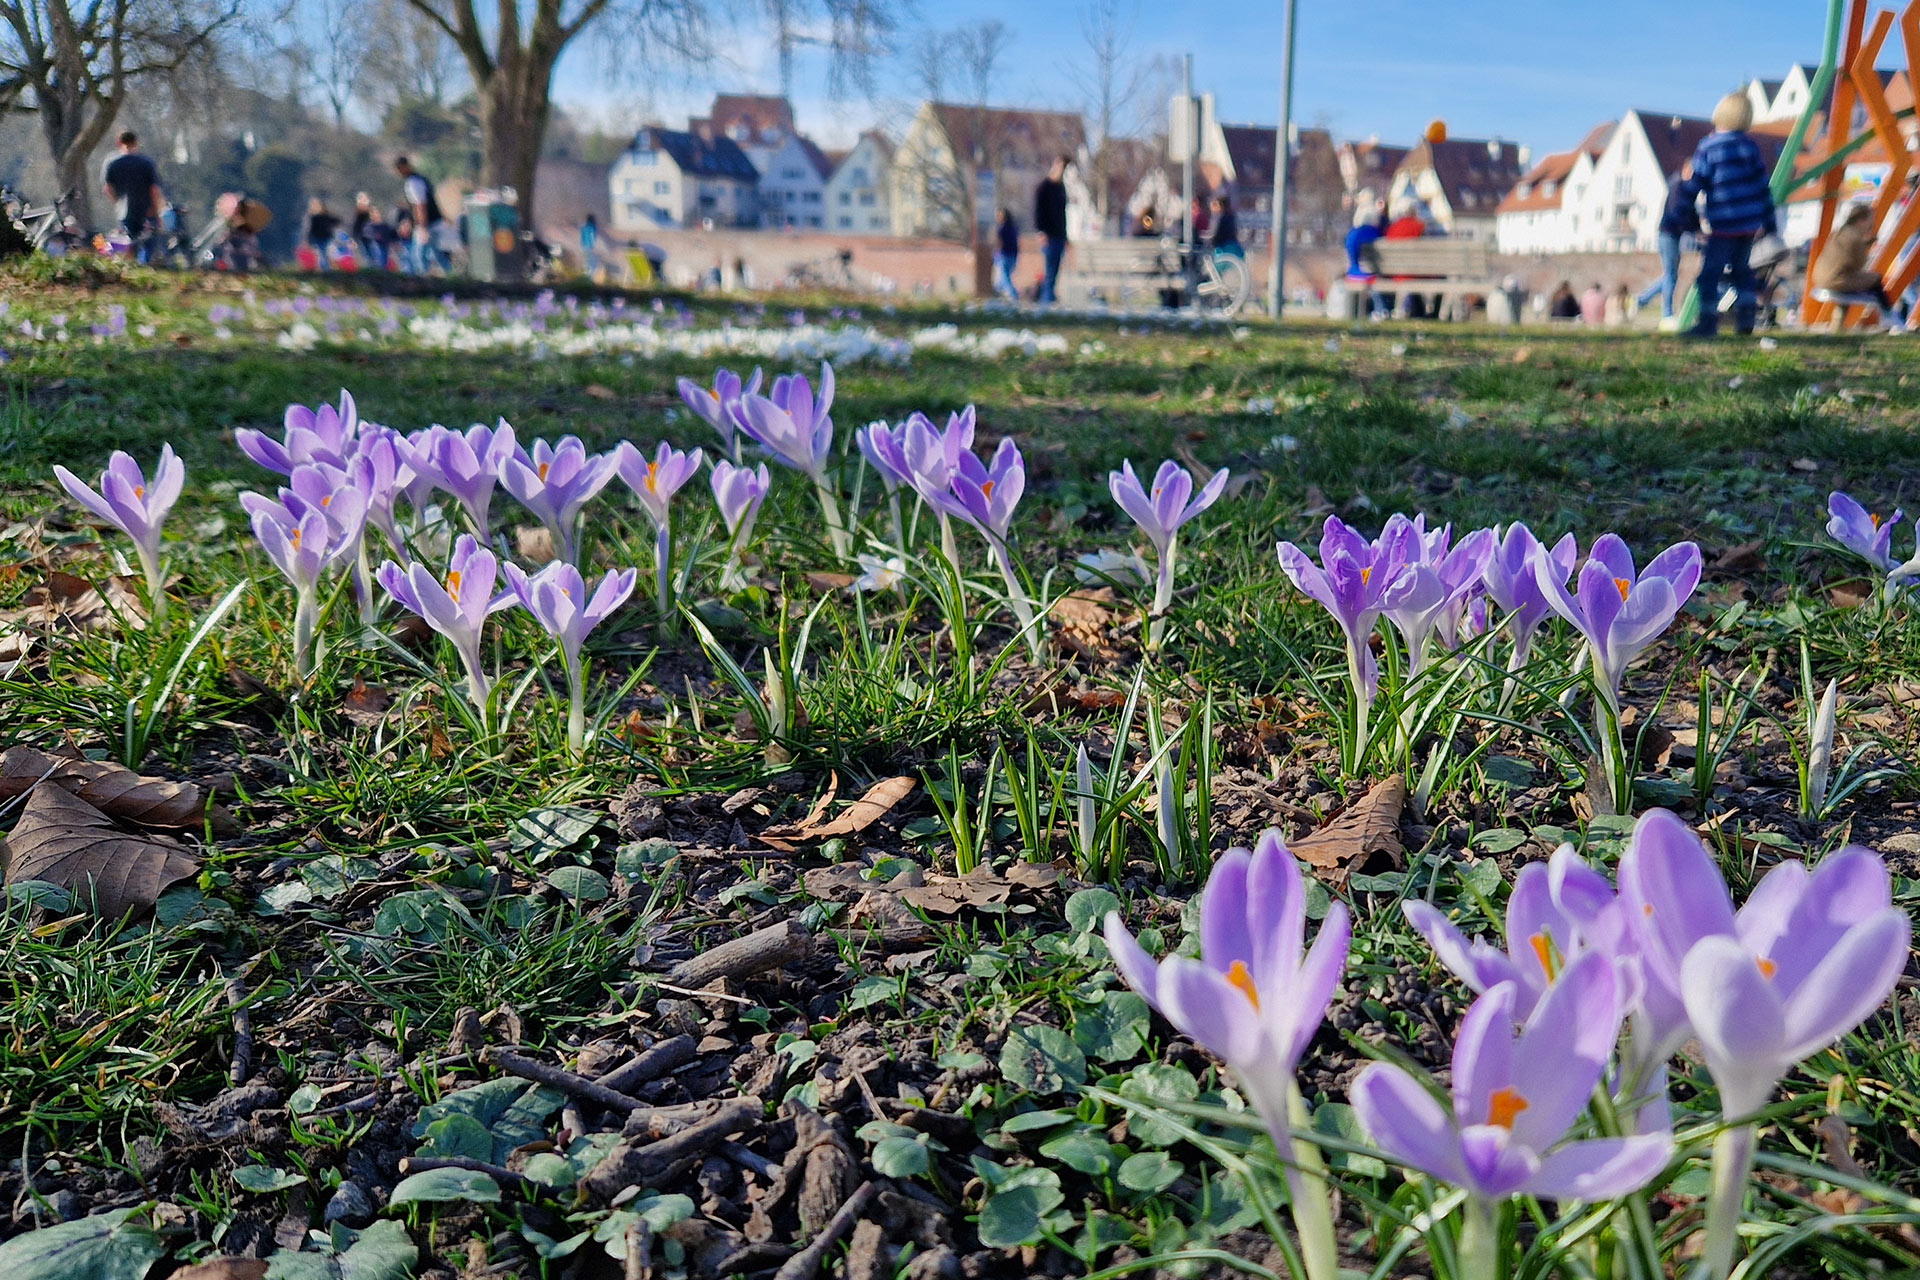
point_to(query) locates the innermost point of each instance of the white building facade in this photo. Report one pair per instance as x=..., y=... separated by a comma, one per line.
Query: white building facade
x=856, y=192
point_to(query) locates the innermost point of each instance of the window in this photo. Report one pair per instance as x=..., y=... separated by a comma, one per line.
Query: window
x=663, y=188
x=810, y=197
x=636, y=209
x=859, y=177
x=866, y=199
x=846, y=199
x=792, y=175
x=844, y=221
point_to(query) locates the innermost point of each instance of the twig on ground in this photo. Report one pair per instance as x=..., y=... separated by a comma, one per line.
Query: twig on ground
x=803, y=1265
x=639, y=1265
x=242, y=1063
x=754, y=953
x=567, y=1082
x=663, y=1059
x=632, y=1163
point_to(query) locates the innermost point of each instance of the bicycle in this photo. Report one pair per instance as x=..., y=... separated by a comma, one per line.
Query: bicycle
x=49, y=228
x=1217, y=281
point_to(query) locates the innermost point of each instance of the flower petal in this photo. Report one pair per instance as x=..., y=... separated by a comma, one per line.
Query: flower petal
x=1601, y=1169
x=1407, y=1122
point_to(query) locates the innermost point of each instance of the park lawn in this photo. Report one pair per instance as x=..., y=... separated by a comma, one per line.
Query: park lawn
x=393, y=895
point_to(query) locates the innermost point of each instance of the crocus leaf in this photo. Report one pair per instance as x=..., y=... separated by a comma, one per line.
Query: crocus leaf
x=64, y=841
x=108, y=1246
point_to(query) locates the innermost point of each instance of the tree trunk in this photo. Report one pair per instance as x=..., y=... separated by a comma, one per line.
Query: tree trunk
x=514, y=109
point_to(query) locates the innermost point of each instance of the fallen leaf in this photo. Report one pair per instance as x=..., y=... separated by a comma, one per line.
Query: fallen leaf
x=113, y=789
x=829, y=582
x=65, y=601
x=1317, y=504
x=949, y=895
x=1848, y=595
x=880, y=799
x=367, y=705
x=225, y=1269
x=65, y=841
x=1743, y=558
x=533, y=542
x=1806, y=465
x=600, y=391
x=1369, y=827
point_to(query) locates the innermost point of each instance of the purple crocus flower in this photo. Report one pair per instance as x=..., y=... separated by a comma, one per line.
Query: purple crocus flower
x=1160, y=513
x=738, y=492
x=988, y=493
x=1618, y=610
x=125, y=500
x=1545, y=932
x=1823, y=947
x=1860, y=531
x=654, y=481
x=558, y=600
x=380, y=473
x=1517, y=1092
x=884, y=448
x=797, y=429
x=316, y=523
x=457, y=606
x=1432, y=584
x=718, y=406
x=466, y=465
x=320, y=434
x=1253, y=998
x=1352, y=581
x=1512, y=584
x=554, y=482
x=790, y=423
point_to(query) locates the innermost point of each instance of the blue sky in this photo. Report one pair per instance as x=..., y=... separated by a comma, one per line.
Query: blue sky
x=1539, y=71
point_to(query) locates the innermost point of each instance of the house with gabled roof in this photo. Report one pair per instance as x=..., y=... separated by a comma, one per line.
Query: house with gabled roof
x=793, y=171
x=1537, y=216
x=1458, y=183
x=681, y=178
x=1367, y=168
x=1621, y=207
x=952, y=153
x=856, y=191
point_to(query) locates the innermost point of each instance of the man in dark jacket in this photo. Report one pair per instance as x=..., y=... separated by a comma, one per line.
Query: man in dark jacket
x=1730, y=172
x=1678, y=219
x=1050, y=220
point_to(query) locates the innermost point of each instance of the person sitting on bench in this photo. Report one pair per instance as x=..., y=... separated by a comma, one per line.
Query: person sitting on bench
x=1842, y=267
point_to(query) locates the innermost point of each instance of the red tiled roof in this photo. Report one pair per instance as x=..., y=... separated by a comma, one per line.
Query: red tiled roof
x=1474, y=174
x=1010, y=135
x=1541, y=188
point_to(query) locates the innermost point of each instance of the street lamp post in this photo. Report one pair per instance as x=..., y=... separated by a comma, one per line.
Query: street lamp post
x=1282, y=152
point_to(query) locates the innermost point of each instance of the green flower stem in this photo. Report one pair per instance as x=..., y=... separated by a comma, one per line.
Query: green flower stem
x=156, y=586
x=306, y=621
x=577, y=708
x=1362, y=704
x=836, y=527
x=663, y=569
x=1480, y=1241
x=1732, y=1161
x=1162, y=601
x=1312, y=1207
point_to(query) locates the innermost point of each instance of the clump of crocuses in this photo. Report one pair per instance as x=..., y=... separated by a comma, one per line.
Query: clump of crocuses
x=128, y=500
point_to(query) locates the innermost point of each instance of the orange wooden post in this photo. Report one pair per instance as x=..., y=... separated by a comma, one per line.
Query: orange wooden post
x=1839, y=122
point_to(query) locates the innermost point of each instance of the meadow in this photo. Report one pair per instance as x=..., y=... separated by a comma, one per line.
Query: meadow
x=776, y=913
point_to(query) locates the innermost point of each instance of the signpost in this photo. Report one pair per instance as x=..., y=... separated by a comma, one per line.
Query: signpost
x=1282, y=155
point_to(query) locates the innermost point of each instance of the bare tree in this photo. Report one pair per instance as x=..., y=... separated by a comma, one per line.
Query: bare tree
x=512, y=55
x=338, y=59
x=413, y=61
x=1114, y=85
x=977, y=47
x=74, y=67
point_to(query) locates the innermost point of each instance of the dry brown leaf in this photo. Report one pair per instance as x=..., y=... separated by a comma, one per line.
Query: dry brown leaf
x=65, y=841
x=65, y=601
x=534, y=543
x=949, y=895
x=880, y=799
x=225, y=1269
x=600, y=391
x=367, y=705
x=823, y=581
x=117, y=791
x=1369, y=827
x=1848, y=595
x=1745, y=557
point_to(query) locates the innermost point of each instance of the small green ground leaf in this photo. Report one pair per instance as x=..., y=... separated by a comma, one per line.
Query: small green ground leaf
x=444, y=1186
x=384, y=1251
x=120, y=1245
x=1013, y=1215
x=899, y=1158
x=1114, y=1030
x=1083, y=1150
x=1156, y=1084
x=582, y=884
x=1087, y=909
x=264, y=1179
x=545, y=832
x=1150, y=1172
x=1042, y=1060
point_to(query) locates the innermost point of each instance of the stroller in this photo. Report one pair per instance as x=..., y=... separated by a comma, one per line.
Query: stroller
x=231, y=239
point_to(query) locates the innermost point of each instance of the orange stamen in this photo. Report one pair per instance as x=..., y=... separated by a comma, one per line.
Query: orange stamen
x=653, y=471
x=543, y=469
x=327, y=501
x=986, y=490
x=1767, y=967
x=1543, y=949
x=1623, y=585
x=1239, y=977
x=453, y=585
x=296, y=537
x=1872, y=515
x=1366, y=575
x=140, y=491
x=1503, y=1106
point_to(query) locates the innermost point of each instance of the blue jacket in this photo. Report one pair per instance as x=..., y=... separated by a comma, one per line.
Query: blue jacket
x=1730, y=172
x=1680, y=217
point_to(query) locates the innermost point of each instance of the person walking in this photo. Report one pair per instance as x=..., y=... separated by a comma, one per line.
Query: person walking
x=1050, y=220
x=133, y=181
x=321, y=227
x=1225, y=236
x=1006, y=255
x=427, y=248
x=1730, y=176
x=590, y=244
x=1678, y=218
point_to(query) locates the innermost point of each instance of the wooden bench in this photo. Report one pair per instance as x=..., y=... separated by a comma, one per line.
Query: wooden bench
x=1117, y=271
x=1841, y=301
x=1429, y=265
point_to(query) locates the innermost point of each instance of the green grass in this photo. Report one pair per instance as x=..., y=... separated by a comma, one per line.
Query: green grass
x=379, y=867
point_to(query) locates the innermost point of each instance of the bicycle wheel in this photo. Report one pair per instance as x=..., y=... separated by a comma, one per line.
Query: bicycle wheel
x=1227, y=286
